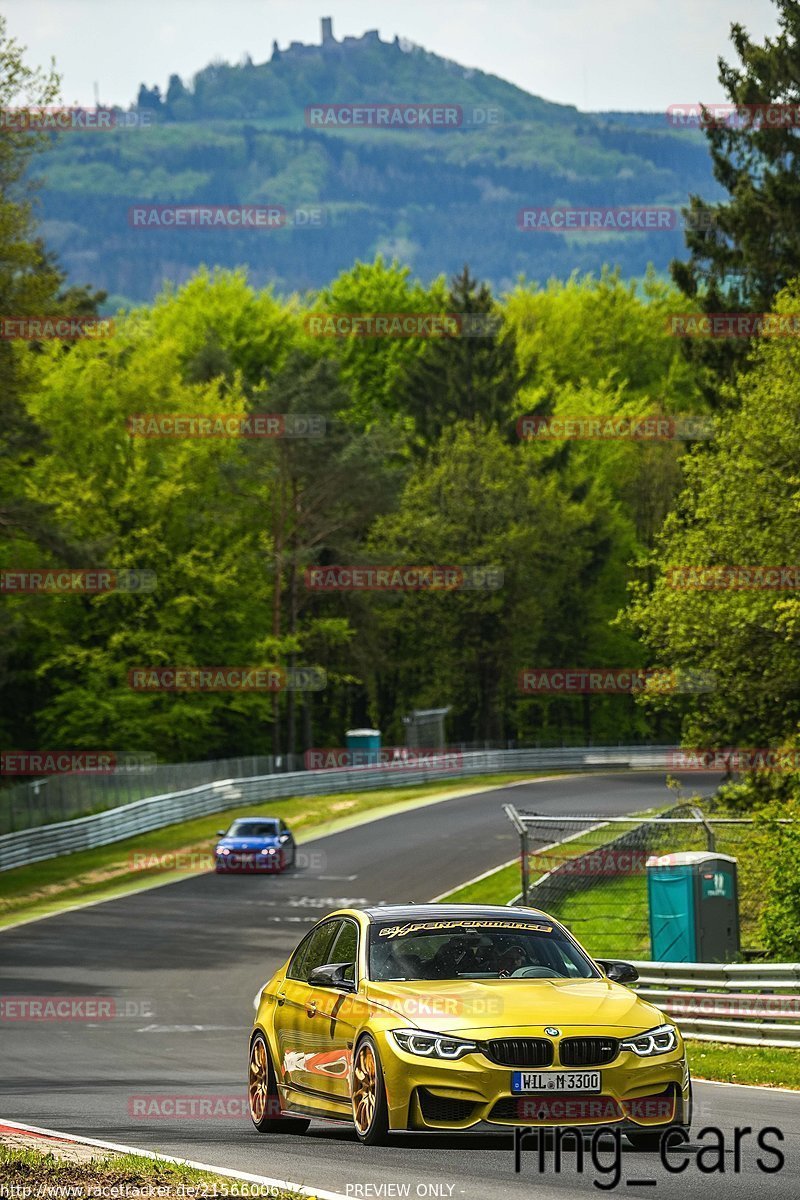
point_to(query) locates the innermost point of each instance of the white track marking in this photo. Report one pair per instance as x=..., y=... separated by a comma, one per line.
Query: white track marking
x=756, y=1087
x=300, y=1188
x=477, y=879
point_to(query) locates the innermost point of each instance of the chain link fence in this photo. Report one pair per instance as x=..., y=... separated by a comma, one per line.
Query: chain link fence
x=590, y=871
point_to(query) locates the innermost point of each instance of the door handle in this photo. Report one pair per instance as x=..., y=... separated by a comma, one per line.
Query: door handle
x=281, y=1001
x=311, y=1008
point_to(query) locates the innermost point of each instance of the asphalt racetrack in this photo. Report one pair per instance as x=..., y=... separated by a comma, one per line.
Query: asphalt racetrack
x=184, y=961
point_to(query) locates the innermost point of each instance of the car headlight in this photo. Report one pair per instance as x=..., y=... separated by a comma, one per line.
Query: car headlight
x=223, y=850
x=257, y=997
x=432, y=1045
x=269, y=850
x=660, y=1040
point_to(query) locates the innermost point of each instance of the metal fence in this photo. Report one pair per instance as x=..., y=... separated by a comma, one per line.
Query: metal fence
x=62, y=797
x=155, y=811
x=590, y=871
x=747, y=1004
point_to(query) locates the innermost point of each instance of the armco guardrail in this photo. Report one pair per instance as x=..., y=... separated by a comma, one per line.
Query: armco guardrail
x=154, y=812
x=747, y=1004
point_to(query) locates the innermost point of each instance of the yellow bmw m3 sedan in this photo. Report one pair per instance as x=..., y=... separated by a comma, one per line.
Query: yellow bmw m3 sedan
x=447, y=1017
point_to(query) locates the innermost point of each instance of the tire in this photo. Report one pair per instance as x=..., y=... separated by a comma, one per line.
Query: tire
x=368, y=1091
x=263, y=1100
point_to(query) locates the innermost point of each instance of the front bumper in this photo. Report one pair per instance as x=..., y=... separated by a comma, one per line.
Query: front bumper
x=436, y=1094
x=249, y=863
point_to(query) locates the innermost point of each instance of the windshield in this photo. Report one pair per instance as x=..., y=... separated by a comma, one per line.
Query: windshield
x=478, y=949
x=253, y=829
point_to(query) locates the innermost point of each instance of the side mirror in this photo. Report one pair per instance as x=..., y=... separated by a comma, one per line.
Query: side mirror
x=332, y=976
x=284, y=837
x=618, y=971
x=220, y=833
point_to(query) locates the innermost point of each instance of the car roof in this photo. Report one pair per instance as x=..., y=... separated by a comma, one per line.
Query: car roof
x=427, y=912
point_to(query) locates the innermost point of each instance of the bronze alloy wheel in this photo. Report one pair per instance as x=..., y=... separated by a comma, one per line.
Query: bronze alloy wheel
x=258, y=1084
x=365, y=1083
x=370, y=1110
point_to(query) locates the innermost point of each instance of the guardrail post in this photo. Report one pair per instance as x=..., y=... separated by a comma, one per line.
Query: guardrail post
x=526, y=871
x=711, y=843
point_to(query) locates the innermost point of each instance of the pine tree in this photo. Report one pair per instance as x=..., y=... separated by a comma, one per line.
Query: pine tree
x=470, y=374
x=743, y=250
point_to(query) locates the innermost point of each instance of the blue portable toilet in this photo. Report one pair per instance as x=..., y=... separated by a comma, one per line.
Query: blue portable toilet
x=364, y=746
x=694, y=907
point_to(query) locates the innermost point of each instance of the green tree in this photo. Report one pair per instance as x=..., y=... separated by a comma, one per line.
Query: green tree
x=372, y=367
x=30, y=286
x=472, y=374
x=739, y=508
x=317, y=497
x=743, y=251
x=479, y=502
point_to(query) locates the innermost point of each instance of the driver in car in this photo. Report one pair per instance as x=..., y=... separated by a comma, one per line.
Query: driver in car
x=511, y=959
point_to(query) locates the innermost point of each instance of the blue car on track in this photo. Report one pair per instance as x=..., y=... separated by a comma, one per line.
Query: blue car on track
x=255, y=844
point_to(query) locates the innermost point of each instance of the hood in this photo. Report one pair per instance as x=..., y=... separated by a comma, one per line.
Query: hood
x=248, y=843
x=471, y=1006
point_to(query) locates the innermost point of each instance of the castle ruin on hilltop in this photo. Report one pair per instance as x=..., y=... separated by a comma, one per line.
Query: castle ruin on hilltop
x=330, y=45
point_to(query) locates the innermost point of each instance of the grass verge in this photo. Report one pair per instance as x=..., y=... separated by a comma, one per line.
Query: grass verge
x=764, y=1065
x=102, y=873
x=129, y=1175
x=498, y=888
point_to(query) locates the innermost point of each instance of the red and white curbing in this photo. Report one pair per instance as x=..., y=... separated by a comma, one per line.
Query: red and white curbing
x=7, y=1126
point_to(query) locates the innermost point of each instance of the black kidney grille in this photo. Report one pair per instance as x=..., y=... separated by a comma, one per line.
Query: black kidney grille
x=520, y=1052
x=587, y=1051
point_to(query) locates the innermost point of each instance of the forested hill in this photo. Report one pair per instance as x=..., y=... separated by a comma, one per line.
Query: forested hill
x=239, y=135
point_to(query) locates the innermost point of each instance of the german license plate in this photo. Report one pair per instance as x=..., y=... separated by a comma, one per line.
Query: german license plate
x=526, y=1082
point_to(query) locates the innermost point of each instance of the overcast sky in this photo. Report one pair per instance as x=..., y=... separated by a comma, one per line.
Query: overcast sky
x=597, y=54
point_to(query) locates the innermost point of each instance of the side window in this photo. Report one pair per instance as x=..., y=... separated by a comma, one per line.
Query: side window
x=313, y=952
x=345, y=948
